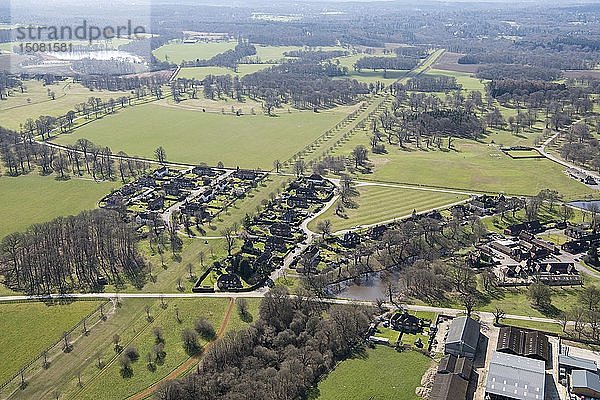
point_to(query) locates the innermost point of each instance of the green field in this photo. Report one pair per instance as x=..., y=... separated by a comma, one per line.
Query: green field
x=35, y=101
x=378, y=204
x=202, y=72
x=33, y=199
x=249, y=141
x=29, y=328
x=367, y=75
x=111, y=385
x=382, y=374
x=468, y=81
x=178, y=52
x=470, y=165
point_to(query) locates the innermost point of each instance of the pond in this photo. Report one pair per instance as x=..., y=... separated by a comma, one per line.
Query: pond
x=585, y=204
x=370, y=288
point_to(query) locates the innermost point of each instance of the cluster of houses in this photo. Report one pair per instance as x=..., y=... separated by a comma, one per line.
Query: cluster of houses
x=276, y=230
x=522, y=258
x=201, y=192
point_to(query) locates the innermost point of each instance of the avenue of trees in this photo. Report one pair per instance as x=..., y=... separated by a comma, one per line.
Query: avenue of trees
x=375, y=63
x=71, y=253
x=294, y=343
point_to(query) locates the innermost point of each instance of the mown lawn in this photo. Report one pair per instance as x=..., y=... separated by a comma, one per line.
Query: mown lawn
x=468, y=81
x=249, y=141
x=540, y=326
x=377, y=204
x=177, y=52
x=29, y=328
x=33, y=199
x=383, y=374
x=35, y=101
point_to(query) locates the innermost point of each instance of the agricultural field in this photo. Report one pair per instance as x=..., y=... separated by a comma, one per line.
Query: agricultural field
x=249, y=141
x=379, y=203
x=29, y=328
x=381, y=373
x=36, y=199
x=35, y=101
x=177, y=52
x=200, y=73
x=470, y=165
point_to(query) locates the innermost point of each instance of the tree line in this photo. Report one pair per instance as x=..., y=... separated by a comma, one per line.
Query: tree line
x=71, y=253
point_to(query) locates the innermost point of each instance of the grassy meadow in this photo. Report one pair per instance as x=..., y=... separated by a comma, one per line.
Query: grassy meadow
x=377, y=204
x=176, y=52
x=381, y=373
x=29, y=328
x=35, y=101
x=249, y=141
x=470, y=165
x=31, y=199
x=202, y=72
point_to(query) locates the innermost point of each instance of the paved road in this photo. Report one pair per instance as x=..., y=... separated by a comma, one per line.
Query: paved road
x=542, y=150
x=255, y=294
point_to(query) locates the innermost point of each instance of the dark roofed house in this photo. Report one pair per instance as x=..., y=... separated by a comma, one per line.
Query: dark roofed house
x=172, y=189
x=228, y=282
x=531, y=226
x=515, y=377
x=463, y=337
x=297, y=202
x=275, y=243
x=378, y=231
x=161, y=172
x=315, y=179
x=585, y=383
x=246, y=174
x=156, y=204
x=146, y=181
x=406, y=322
x=289, y=216
x=449, y=387
x=306, y=192
x=202, y=170
x=280, y=229
x=351, y=239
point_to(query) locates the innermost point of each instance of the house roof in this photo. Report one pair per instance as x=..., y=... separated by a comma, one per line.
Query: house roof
x=463, y=330
x=449, y=387
x=523, y=343
x=581, y=379
x=577, y=363
x=516, y=377
x=450, y=364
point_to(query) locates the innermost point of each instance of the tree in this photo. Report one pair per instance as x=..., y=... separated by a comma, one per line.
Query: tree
x=324, y=227
x=159, y=336
x=498, y=315
x=565, y=213
x=299, y=167
x=469, y=301
x=205, y=329
x=160, y=154
x=540, y=295
x=230, y=235
x=277, y=165
x=190, y=341
x=243, y=310
x=116, y=339
x=359, y=155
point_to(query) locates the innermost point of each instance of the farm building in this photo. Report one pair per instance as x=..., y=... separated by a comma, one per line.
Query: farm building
x=531, y=344
x=462, y=337
x=515, y=377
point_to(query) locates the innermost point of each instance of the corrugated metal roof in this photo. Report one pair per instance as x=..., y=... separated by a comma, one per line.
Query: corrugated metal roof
x=577, y=363
x=516, y=377
x=585, y=379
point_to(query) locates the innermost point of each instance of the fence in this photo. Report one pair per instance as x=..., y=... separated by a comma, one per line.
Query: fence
x=56, y=348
